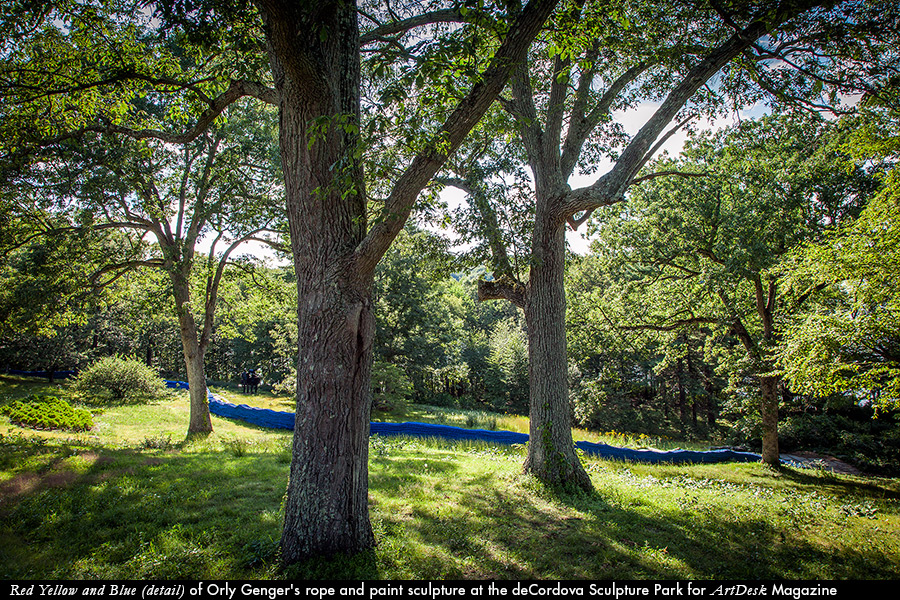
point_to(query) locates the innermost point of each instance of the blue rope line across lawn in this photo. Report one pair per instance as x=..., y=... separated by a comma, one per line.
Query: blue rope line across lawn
x=273, y=419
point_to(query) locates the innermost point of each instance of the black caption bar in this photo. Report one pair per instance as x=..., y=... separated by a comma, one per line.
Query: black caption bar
x=443, y=590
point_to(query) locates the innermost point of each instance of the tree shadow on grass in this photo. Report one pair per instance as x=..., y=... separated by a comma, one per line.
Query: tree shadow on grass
x=149, y=515
x=134, y=514
x=517, y=533
x=833, y=484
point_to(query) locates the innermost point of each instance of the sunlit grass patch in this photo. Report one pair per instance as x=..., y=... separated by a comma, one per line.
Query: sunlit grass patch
x=140, y=501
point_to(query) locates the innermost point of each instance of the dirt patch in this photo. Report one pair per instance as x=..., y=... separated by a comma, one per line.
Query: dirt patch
x=829, y=462
x=59, y=476
x=26, y=483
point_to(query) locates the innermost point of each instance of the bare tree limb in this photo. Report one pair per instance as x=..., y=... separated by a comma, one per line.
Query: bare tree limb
x=448, y=15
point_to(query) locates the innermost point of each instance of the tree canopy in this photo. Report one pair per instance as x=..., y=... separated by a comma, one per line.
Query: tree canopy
x=194, y=118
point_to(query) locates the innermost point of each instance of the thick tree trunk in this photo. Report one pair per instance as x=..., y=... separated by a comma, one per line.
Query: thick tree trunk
x=315, y=61
x=196, y=371
x=768, y=387
x=551, y=451
x=326, y=510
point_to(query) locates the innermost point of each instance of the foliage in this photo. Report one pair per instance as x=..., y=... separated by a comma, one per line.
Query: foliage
x=848, y=341
x=255, y=326
x=48, y=412
x=391, y=388
x=694, y=258
x=119, y=379
x=507, y=374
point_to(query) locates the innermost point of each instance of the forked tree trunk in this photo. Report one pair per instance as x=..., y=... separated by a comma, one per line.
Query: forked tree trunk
x=551, y=451
x=314, y=56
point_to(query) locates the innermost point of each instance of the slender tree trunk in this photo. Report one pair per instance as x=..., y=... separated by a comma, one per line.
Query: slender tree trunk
x=768, y=387
x=692, y=372
x=765, y=306
x=682, y=394
x=551, y=451
x=710, y=389
x=664, y=397
x=148, y=355
x=194, y=354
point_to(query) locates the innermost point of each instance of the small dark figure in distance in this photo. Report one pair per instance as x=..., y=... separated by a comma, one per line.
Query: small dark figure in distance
x=253, y=381
x=245, y=381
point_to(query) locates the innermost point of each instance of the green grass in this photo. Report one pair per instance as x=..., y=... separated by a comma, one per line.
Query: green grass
x=133, y=499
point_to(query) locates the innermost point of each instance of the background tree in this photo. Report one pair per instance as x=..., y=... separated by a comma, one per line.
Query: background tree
x=703, y=248
x=600, y=58
x=223, y=187
x=847, y=340
x=51, y=310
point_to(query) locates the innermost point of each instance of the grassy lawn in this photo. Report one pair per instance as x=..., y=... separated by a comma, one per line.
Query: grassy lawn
x=133, y=499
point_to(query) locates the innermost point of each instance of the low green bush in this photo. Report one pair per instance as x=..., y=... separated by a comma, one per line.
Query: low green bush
x=391, y=387
x=119, y=379
x=48, y=412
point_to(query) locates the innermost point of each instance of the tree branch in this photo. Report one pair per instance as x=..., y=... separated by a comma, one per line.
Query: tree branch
x=582, y=124
x=448, y=15
x=650, y=176
x=512, y=51
x=611, y=188
x=236, y=90
x=673, y=325
x=503, y=289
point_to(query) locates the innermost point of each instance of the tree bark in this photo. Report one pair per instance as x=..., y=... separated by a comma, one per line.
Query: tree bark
x=768, y=387
x=315, y=60
x=194, y=354
x=682, y=393
x=551, y=450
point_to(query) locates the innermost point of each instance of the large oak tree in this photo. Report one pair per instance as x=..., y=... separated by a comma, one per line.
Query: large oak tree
x=312, y=53
x=685, y=60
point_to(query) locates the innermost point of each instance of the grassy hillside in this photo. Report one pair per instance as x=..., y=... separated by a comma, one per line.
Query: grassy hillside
x=132, y=499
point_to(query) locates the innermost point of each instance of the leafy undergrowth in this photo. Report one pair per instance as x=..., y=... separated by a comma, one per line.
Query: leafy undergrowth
x=132, y=499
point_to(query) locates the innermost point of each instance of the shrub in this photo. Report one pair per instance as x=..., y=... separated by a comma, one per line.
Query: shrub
x=602, y=404
x=391, y=387
x=48, y=412
x=120, y=379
